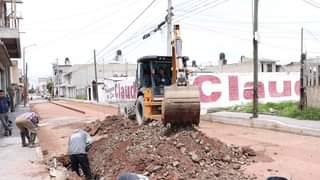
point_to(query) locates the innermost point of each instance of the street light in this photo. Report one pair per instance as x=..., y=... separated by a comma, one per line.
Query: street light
x=25, y=80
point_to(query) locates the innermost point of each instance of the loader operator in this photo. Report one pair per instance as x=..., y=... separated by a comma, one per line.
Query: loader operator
x=27, y=124
x=162, y=79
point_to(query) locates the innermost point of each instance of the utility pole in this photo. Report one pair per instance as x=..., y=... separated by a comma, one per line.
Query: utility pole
x=26, y=88
x=255, y=60
x=169, y=28
x=103, y=68
x=25, y=75
x=24, y=78
x=95, y=75
x=302, y=62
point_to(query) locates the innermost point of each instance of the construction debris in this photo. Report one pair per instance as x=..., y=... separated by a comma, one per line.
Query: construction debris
x=160, y=153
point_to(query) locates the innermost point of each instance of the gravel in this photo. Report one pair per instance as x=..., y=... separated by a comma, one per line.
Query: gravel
x=160, y=153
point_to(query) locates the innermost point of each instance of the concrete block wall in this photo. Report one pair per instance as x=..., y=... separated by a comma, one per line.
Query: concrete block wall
x=313, y=97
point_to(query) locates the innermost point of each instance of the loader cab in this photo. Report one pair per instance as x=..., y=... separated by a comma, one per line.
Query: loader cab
x=155, y=72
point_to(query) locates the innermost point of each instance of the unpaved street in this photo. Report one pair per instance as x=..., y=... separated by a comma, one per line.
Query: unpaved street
x=293, y=156
x=296, y=157
x=57, y=123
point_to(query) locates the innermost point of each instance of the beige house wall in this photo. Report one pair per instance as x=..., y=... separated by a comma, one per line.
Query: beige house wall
x=14, y=72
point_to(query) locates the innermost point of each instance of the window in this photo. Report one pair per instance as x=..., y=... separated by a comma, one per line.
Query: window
x=314, y=77
x=145, y=75
x=318, y=75
x=310, y=79
x=269, y=67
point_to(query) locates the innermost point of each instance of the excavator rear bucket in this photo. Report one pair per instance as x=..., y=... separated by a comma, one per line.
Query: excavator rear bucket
x=181, y=106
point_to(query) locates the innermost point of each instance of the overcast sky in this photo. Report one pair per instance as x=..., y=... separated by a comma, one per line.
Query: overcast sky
x=73, y=28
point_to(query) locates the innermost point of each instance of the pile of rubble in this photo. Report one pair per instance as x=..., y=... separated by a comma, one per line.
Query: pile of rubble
x=160, y=153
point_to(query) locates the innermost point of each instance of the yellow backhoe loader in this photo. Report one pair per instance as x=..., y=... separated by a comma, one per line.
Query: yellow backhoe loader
x=164, y=92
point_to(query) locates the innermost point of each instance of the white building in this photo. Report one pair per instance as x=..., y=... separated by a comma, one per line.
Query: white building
x=77, y=81
x=42, y=85
x=58, y=73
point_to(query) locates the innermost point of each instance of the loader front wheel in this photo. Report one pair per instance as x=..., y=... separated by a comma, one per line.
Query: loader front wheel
x=140, y=110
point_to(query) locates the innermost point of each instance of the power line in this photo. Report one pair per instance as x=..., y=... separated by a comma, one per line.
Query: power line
x=218, y=19
x=223, y=33
x=199, y=10
x=134, y=37
x=312, y=3
x=315, y=2
x=313, y=35
x=220, y=32
x=277, y=35
x=194, y=5
x=188, y=4
x=84, y=27
x=135, y=48
x=199, y=6
x=127, y=27
x=70, y=16
x=158, y=28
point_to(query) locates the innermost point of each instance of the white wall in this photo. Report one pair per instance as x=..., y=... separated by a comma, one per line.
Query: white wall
x=229, y=89
x=218, y=89
x=117, y=90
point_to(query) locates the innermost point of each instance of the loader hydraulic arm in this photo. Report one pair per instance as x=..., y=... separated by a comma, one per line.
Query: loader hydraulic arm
x=179, y=72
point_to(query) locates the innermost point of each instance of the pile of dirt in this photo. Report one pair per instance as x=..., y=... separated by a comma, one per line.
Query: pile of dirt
x=161, y=153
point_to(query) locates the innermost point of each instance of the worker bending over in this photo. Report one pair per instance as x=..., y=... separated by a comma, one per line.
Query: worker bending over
x=27, y=124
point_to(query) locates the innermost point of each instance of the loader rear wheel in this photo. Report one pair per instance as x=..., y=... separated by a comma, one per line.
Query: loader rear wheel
x=140, y=110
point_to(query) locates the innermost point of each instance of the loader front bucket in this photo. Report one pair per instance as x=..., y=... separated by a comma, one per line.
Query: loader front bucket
x=181, y=106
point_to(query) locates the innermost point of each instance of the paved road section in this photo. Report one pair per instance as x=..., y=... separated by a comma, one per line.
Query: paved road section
x=302, y=127
x=89, y=109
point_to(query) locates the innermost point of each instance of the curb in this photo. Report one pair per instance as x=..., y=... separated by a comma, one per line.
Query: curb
x=262, y=124
x=39, y=151
x=89, y=102
x=68, y=107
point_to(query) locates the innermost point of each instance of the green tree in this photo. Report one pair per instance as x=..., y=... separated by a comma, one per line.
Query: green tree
x=32, y=90
x=50, y=88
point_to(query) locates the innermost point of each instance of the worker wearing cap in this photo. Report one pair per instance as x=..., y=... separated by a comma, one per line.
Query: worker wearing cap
x=27, y=124
x=79, y=142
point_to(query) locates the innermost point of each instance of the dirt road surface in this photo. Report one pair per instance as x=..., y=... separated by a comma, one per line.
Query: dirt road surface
x=58, y=123
x=293, y=156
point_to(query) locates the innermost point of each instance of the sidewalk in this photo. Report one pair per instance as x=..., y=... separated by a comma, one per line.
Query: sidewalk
x=301, y=127
x=17, y=162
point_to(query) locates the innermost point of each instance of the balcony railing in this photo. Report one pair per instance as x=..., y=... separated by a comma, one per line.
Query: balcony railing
x=9, y=16
x=10, y=21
